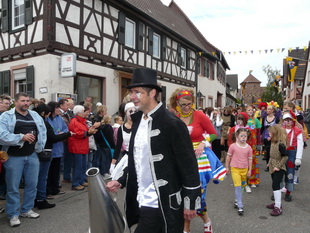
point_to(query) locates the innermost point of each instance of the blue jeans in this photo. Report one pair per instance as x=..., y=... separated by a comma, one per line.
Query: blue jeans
x=15, y=168
x=42, y=180
x=67, y=163
x=90, y=158
x=290, y=170
x=79, y=169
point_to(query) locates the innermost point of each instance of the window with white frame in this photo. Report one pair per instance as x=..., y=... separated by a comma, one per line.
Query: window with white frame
x=183, y=57
x=156, y=45
x=18, y=14
x=130, y=33
x=20, y=80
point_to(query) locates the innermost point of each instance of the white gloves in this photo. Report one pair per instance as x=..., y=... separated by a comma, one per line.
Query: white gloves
x=297, y=162
x=112, y=168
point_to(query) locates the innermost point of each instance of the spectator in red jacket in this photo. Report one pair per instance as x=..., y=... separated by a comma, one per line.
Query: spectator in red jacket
x=79, y=145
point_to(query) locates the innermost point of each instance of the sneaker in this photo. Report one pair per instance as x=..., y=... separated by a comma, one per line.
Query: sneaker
x=276, y=211
x=253, y=186
x=14, y=221
x=44, y=205
x=283, y=190
x=270, y=206
x=236, y=204
x=240, y=211
x=296, y=182
x=61, y=192
x=248, y=189
x=267, y=169
x=288, y=197
x=78, y=188
x=30, y=214
x=85, y=184
x=208, y=227
x=1, y=210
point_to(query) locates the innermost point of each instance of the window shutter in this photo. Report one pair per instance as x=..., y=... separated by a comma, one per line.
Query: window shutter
x=205, y=68
x=30, y=81
x=121, y=27
x=140, y=37
x=6, y=82
x=198, y=65
x=163, y=48
x=150, y=36
x=188, y=59
x=1, y=83
x=179, y=55
x=164, y=95
x=28, y=12
x=5, y=16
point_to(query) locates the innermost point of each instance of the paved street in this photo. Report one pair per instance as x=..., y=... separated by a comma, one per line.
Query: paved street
x=71, y=212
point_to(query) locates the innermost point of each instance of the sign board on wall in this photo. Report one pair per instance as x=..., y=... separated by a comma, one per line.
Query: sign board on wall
x=57, y=96
x=68, y=65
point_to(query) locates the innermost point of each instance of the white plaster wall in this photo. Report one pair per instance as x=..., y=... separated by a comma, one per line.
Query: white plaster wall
x=306, y=90
x=210, y=88
x=46, y=68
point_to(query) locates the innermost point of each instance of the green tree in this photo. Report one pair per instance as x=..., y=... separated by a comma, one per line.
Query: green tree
x=272, y=92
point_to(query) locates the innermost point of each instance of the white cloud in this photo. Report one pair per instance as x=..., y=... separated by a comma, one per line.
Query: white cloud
x=244, y=25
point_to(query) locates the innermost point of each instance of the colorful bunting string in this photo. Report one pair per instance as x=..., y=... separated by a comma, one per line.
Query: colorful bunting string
x=278, y=50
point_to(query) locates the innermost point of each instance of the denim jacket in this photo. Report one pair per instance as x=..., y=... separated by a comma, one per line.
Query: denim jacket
x=7, y=136
x=59, y=126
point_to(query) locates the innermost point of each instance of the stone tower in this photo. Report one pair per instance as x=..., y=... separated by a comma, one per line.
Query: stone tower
x=250, y=89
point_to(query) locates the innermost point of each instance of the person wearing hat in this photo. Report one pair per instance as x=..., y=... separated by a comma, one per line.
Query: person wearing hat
x=162, y=179
x=294, y=149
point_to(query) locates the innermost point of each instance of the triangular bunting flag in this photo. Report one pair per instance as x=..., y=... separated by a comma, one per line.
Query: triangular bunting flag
x=278, y=50
x=252, y=51
x=290, y=49
x=259, y=51
x=305, y=48
x=240, y=51
x=266, y=50
x=271, y=50
x=282, y=50
x=234, y=53
x=229, y=52
x=213, y=53
x=246, y=52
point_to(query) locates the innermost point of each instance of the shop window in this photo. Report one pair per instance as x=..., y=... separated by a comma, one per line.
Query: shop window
x=88, y=86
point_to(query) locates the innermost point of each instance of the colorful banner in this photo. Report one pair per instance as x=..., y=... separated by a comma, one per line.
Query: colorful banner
x=292, y=68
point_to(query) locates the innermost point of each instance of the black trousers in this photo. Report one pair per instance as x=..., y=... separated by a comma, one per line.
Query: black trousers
x=151, y=221
x=217, y=148
x=277, y=178
x=53, y=177
x=267, y=149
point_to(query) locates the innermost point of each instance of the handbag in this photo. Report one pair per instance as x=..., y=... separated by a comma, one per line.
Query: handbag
x=106, y=141
x=4, y=155
x=45, y=156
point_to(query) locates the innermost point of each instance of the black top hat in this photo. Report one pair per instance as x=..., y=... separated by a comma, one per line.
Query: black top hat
x=144, y=77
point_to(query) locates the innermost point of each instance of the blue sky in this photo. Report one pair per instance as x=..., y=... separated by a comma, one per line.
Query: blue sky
x=245, y=25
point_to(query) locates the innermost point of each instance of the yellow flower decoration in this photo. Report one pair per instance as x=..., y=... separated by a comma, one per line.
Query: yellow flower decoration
x=273, y=103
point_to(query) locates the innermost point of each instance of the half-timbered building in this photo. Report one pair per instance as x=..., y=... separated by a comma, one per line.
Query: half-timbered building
x=110, y=38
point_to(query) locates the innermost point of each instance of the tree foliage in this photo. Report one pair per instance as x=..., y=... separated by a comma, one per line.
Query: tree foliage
x=272, y=92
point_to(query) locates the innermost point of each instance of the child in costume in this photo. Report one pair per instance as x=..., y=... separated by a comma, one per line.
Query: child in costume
x=255, y=126
x=294, y=149
x=239, y=164
x=277, y=168
x=242, y=120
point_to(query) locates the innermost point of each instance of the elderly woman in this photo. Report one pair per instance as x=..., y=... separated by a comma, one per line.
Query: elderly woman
x=202, y=133
x=78, y=145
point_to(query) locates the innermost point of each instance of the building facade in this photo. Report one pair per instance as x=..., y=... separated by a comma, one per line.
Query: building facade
x=110, y=39
x=293, y=87
x=306, y=84
x=251, y=90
